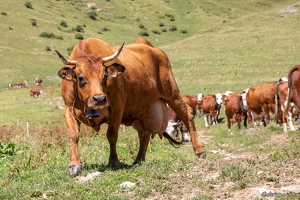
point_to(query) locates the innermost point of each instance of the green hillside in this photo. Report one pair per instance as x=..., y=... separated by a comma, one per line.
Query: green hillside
x=213, y=45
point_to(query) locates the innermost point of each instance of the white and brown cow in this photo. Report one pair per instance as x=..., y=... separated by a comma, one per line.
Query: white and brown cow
x=209, y=108
x=235, y=110
x=35, y=92
x=130, y=87
x=18, y=85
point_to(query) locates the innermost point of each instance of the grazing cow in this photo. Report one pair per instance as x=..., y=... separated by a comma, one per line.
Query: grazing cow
x=38, y=81
x=235, y=110
x=175, y=122
x=260, y=101
x=35, y=92
x=209, y=108
x=19, y=85
x=130, y=86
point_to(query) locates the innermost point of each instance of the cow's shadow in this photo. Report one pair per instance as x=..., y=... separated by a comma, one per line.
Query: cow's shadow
x=104, y=167
x=221, y=120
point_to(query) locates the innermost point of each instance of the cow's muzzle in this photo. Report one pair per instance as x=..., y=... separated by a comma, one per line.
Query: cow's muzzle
x=99, y=100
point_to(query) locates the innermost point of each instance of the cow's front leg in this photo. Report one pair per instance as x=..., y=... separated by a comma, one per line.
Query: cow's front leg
x=112, y=137
x=73, y=134
x=245, y=119
x=250, y=118
x=144, y=138
x=267, y=114
x=205, y=117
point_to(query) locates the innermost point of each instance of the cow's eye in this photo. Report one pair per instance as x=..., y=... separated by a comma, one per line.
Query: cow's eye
x=81, y=80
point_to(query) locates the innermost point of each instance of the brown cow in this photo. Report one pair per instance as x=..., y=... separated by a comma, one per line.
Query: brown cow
x=235, y=110
x=260, y=101
x=35, y=92
x=209, y=107
x=125, y=87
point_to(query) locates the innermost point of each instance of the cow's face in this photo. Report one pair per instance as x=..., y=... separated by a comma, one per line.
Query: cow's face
x=200, y=97
x=172, y=128
x=243, y=95
x=89, y=75
x=219, y=98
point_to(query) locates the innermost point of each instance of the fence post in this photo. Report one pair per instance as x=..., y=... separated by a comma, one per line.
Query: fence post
x=27, y=128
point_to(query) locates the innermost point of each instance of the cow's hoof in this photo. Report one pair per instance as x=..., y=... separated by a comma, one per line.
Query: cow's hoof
x=201, y=155
x=74, y=170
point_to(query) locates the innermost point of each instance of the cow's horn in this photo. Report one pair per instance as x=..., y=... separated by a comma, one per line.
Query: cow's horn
x=108, y=58
x=65, y=61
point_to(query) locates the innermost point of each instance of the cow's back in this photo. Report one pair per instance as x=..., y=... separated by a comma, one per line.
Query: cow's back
x=263, y=94
x=147, y=77
x=232, y=104
x=208, y=103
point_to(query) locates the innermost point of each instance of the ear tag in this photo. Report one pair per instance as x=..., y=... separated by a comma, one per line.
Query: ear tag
x=92, y=113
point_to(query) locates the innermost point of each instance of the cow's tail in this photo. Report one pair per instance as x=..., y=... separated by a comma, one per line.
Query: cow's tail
x=171, y=140
x=276, y=99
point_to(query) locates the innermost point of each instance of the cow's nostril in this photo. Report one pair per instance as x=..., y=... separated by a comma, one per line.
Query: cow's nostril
x=99, y=99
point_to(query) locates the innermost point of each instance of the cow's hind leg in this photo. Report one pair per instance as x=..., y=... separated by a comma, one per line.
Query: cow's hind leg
x=205, y=117
x=185, y=113
x=144, y=138
x=229, y=123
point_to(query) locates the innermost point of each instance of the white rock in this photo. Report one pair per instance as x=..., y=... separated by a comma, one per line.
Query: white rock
x=214, y=151
x=127, y=184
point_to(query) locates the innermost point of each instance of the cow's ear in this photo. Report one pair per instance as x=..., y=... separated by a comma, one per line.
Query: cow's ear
x=66, y=73
x=115, y=70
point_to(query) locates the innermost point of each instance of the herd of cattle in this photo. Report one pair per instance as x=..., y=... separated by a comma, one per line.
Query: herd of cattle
x=34, y=92
x=247, y=106
x=134, y=85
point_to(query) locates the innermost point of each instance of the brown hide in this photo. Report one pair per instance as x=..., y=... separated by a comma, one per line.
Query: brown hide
x=261, y=100
x=234, y=110
x=123, y=90
x=189, y=101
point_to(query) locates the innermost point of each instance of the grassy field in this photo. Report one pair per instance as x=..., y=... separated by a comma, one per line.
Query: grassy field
x=218, y=46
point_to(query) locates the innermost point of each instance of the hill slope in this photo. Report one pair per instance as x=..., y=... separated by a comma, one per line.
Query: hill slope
x=218, y=45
